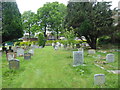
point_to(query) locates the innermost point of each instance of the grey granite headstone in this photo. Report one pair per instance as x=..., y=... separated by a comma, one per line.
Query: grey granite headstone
x=91, y=51
x=99, y=79
x=10, y=56
x=20, y=52
x=27, y=56
x=110, y=58
x=14, y=64
x=78, y=58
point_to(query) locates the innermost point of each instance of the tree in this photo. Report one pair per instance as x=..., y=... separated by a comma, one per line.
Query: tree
x=51, y=17
x=89, y=19
x=41, y=40
x=29, y=20
x=11, y=22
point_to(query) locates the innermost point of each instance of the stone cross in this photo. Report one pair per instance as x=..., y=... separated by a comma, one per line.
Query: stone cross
x=110, y=58
x=99, y=79
x=78, y=58
x=14, y=64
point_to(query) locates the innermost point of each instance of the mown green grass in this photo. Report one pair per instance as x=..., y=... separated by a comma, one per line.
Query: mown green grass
x=53, y=69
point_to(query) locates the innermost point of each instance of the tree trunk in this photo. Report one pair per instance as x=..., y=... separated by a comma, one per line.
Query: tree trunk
x=57, y=34
x=91, y=41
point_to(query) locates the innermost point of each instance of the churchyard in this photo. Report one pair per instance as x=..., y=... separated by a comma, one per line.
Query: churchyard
x=49, y=67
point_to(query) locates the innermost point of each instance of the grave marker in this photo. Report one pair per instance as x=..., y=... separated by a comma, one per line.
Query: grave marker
x=27, y=56
x=110, y=58
x=99, y=79
x=91, y=51
x=10, y=56
x=14, y=64
x=31, y=51
x=78, y=58
x=20, y=52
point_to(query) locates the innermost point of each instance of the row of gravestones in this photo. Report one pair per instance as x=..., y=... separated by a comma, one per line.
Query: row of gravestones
x=58, y=44
x=11, y=57
x=78, y=59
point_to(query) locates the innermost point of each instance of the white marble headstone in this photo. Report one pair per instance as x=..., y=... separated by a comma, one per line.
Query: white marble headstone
x=78, y=58
x=110, y=58
x=20, y=51
x=99, y=79
x=91, y=51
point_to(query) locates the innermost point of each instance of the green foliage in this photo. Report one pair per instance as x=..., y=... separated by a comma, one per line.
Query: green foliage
x=11, y=22
x=29, y=21
x=89, y=19
x=41, y=40
x=51, y=16
x=25, y=43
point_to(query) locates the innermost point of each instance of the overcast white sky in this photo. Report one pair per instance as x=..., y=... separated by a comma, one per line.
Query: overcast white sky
x=25, y=5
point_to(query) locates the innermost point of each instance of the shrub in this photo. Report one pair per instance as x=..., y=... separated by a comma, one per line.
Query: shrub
x=41, y=40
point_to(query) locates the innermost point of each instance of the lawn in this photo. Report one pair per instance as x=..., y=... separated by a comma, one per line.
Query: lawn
x=49, y=68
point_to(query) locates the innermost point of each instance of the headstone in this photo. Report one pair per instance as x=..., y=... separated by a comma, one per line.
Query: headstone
x=78, y=58
x=99, y=79
x=110, y=58
x=10, y=56
x=27, y=56
x=14, y=64
x=41, y=47
x=56, y=48
x=62, y=45
x=20, y=52
x=31, y=51
x=80, y=49
x=91, y=51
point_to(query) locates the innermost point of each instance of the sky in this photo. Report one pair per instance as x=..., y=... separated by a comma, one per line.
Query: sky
x=33, y=5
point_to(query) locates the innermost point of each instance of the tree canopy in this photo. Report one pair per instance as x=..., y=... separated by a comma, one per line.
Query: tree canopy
x=11, y=22
x=89, y=19
x=51, y=17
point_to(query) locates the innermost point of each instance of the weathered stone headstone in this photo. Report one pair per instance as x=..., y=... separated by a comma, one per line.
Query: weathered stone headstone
x=78, y=58
x=27, y=56
x=31, y=51
x=10, y=56
x=20, y=52
x=91, y=51
x=99, y=79
x=110, y=58
x=14, y=64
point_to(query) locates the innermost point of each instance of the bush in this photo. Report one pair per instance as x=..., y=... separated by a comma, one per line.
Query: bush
x=41, y=40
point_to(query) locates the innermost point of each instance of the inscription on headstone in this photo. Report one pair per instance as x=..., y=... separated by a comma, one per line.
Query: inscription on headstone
x=78, y=58
x=14, y=64
x=99, y=79
x=110, y=58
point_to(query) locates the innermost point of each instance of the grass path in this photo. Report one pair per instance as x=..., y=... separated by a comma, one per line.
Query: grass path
x=53, y=69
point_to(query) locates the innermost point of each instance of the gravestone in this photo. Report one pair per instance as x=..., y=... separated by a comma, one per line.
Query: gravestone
x=91, y=51
x=78, y=58
x=20, y=52
x=27, y=56
x=99, y=79
x=56, y=48
x=31, y=51
x=62, y=45
x=80, y=49
x=14, y=64
x=110, y=58
x=10, y=56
